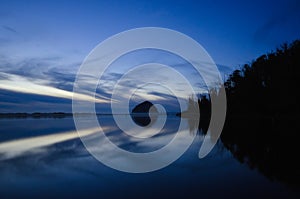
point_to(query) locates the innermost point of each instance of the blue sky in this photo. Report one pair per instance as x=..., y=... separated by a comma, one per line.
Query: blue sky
x=43, y=43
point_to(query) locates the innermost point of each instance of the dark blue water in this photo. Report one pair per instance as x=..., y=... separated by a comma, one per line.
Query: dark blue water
x=44, y=158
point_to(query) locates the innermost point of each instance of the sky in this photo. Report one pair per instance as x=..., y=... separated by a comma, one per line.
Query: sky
x=43, y=43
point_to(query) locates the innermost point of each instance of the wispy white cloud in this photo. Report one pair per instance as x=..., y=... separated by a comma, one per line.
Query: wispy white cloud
x=18, y=83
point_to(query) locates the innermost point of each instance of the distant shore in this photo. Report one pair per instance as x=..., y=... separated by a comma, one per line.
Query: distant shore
x=57, y=115
x=35, y=115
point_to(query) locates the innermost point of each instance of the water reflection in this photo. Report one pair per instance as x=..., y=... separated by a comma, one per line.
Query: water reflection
x=121, y=151
x=15, y=148
x=48, y=156
x=265, y=145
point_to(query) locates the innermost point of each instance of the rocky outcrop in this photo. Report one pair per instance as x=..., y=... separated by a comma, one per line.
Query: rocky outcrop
x=140, y=113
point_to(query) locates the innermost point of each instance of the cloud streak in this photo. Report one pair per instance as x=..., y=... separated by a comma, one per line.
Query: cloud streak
x=287, y=15
x=20, y=84
x=10, y=29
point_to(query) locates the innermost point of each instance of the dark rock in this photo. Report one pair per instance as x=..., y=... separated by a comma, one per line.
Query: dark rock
x=140, y=113
x=142, y=107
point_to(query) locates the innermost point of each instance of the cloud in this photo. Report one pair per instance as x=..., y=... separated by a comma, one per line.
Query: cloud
x=59, y=79
x=163, y=95
x=43, y=78
x=4, y=76
x=24, y=102
x=20, y=84
x=32, y=67
x=289, y=13
x=265, y=30
x=41, y=81
x=10, y=29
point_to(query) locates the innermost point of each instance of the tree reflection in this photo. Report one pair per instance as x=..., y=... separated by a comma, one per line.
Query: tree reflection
x=269, y=146
x=261, y=128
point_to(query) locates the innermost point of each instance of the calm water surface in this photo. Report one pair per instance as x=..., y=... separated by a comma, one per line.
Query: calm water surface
x=45, y=158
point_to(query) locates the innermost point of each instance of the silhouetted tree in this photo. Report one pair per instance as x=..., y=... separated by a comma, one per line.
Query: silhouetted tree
x=269, y=85
x=261, y=128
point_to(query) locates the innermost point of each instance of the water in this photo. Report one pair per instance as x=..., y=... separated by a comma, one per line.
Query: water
x=44, y=157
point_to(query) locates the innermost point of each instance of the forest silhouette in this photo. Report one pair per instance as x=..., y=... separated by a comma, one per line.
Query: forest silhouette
x=261, y=128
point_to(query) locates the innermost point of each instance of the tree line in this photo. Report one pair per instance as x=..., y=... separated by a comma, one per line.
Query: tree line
x=269, y=85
